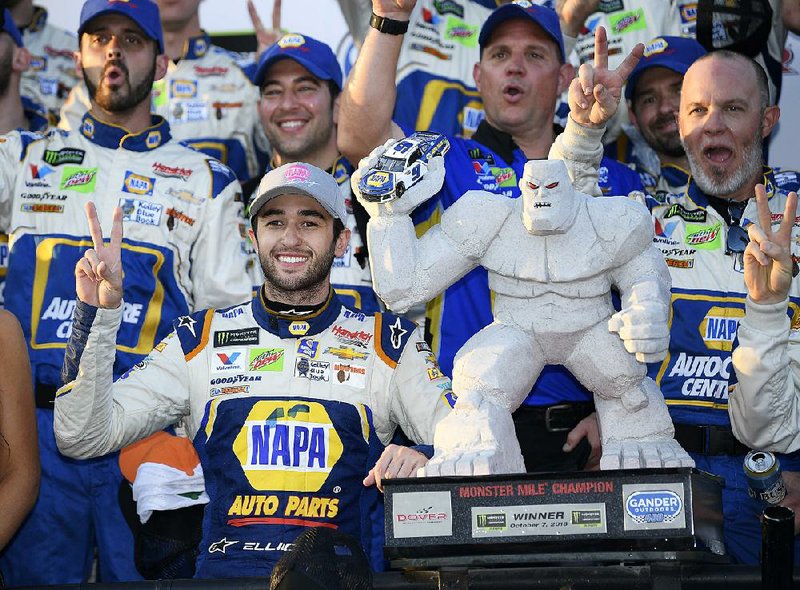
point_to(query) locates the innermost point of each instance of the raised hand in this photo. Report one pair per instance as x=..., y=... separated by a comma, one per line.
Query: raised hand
x=595, y=94
x=396, y=9
x=98, y=275
x=264, y=36
x=768, y=265
x=573, y=14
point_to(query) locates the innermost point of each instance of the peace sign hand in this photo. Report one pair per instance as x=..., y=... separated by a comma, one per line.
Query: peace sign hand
x=768, y=265
x=98, y=275
x=595, y=93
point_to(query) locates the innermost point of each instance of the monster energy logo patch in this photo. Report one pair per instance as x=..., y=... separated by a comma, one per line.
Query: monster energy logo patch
x=64, y=156
x=235, y=337
x=677, y=210
x=448, y=7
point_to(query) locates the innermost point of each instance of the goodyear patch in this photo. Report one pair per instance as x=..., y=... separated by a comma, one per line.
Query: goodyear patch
x=81, y=180
x=265, y=359
x=312, y=370
x=287, y=445
x=704, y=237
x=139, y=211
x=138, y=184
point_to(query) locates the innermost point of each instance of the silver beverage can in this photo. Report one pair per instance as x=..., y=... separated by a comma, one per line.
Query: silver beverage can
x=763, y=472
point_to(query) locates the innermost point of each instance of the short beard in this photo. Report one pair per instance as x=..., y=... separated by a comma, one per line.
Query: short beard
x=670, y=146
x=287, y=289
x=719, y=183
x=114, y=102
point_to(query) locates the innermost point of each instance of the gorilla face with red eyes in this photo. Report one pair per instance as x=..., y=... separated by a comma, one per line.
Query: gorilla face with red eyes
x=549, y=205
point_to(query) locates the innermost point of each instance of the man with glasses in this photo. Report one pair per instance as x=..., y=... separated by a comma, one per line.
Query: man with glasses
x=722, y=126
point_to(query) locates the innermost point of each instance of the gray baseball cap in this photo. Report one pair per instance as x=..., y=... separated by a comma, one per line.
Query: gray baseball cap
x=304, y=179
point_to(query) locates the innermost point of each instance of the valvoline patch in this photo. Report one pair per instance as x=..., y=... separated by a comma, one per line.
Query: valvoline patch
x=652, y=506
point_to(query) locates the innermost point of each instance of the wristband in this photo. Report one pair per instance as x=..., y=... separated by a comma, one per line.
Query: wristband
x=389, y=26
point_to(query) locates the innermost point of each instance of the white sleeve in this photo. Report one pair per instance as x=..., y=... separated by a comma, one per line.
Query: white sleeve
x=764, y=407
x=220, y=260
x=94, y=416
x=581, y=148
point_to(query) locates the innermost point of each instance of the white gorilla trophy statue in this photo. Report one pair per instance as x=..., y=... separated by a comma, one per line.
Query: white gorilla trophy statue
x=552, y=257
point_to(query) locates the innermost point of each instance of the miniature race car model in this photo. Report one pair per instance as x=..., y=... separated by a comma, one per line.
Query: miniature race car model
x=402, y=166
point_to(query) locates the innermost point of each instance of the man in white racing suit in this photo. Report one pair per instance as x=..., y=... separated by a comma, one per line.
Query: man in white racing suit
x=184, y=249
x=288, y=398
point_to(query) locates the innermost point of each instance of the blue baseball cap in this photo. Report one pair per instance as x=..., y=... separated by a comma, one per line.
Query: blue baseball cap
x=543, y=16
x=673, y=53
x=313, y=55
x=143, y=12
x=11, y=28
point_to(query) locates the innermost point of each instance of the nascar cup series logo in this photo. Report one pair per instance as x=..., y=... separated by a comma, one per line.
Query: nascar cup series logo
x=287, y=445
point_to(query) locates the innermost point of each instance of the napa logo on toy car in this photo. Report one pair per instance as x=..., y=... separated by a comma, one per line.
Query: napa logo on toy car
x=138, y=184
x=654, y=506
x=183, y=88
x=704, y=237
x=81, y=180
x=719, y=326
x=287, y=445
x=379, y=179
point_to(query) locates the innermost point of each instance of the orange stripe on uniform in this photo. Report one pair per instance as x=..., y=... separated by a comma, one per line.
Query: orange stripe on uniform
x=378, y=347
x=203, y=337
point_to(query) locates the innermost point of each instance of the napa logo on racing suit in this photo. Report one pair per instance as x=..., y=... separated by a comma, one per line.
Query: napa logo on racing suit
x=287, y=445
x=718, y=328
x=138, y=184
x=81, y=180
x=183, y=88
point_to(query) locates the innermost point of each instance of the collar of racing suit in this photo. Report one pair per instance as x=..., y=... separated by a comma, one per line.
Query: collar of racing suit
x=500, y=142
x=719, y=204
x=38, y=21
x=288, y=325
x=113, y=136
x=196, y=47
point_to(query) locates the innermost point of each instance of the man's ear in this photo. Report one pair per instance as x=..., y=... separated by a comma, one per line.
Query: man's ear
x=476, y=75
x=770, y=119
x=21, y=60
x=76, y=60
x=162, y=63
x=341, y=242
x=565, y=75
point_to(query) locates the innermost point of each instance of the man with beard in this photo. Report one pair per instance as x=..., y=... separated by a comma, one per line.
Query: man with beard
x=184, y=249
x=206, y=96
x=724, y=117
x=51, y=74
x=650, y=144
x=300, y=81
x=288, y=398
